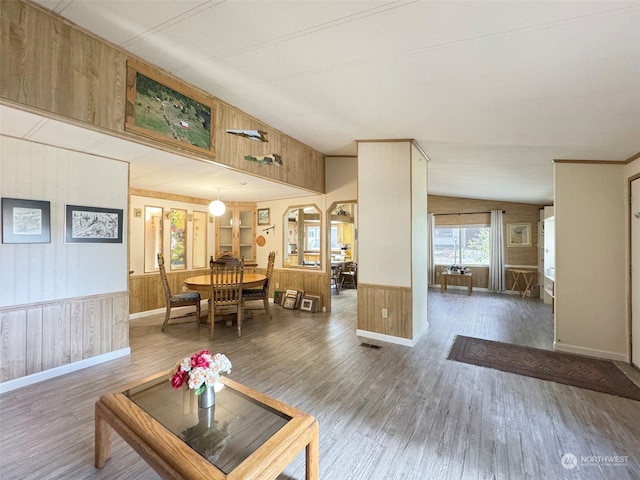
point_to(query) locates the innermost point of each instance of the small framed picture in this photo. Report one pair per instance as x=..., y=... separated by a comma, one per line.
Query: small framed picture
x=307, y=304
x=26, y=221
x=518, y=234
x=264, y=216
x=93, y=225
x=289, y=302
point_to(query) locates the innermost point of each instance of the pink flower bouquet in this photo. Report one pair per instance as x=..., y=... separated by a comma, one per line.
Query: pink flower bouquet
x=199, y=371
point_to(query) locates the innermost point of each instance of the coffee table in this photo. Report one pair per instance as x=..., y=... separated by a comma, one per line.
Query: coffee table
x=246, y=435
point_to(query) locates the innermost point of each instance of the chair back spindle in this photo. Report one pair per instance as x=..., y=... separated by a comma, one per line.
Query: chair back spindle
x=226, y=293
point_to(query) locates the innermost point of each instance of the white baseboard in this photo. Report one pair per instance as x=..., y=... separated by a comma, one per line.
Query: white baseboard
x=591, y=352
x=62, y=370
x=385, y=338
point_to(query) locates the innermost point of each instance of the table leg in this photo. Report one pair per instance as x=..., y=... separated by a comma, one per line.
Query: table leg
x=469, y=285
x=443, y=283
x=527, y=288
x=102, y=439
x=515, y=276
x=313, y=455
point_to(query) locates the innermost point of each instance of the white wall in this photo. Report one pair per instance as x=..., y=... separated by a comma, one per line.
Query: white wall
x=384, y=200
x=41, y=272
x=591, y=273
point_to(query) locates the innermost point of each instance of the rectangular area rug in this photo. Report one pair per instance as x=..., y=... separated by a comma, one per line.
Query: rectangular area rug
x=584, y=372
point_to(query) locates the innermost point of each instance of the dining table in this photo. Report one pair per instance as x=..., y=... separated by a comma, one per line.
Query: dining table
x=202, y=283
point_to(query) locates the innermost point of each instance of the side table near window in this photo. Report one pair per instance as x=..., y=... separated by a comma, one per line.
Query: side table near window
x=528, y=277
x=445, y=280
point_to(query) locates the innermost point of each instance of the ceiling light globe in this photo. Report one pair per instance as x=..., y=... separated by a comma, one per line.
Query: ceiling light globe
x=217, y=208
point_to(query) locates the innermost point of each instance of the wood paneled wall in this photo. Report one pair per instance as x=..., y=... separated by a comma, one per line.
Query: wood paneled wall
x=514, y=213
x=146, y=292
x=479, y=279
x=56, y=68
x=41, y=336
x=50, y=65
x=397, y=300
x=301, y=279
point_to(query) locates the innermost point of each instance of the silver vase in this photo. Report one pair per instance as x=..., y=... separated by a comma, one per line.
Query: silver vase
x=207, y=399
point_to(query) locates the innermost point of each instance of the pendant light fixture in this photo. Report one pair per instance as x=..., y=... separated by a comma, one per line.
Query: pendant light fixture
x=216, y=207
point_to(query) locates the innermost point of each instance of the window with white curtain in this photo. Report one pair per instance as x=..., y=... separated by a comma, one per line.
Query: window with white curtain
x=463, y=245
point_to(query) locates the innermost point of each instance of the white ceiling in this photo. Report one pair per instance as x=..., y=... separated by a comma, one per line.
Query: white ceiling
x=492, y=91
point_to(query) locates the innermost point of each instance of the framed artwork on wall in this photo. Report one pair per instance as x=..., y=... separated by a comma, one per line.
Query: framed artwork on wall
x=26, y=221
x=518, y=234
x=93, y=225
x=264, y=216
x=162, y=108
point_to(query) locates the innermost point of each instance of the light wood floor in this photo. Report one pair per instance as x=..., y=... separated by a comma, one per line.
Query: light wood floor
x=390, y=413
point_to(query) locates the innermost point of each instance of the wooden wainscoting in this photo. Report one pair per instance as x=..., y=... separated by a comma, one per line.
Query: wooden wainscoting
x=480, y=277
x=45, y=335
x=398, y=302
x=311, y=281
x=146, y=291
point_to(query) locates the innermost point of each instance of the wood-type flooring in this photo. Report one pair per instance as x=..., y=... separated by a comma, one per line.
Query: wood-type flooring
x=393, y=413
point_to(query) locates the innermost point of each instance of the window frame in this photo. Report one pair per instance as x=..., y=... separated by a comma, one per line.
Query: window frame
x=458, y=260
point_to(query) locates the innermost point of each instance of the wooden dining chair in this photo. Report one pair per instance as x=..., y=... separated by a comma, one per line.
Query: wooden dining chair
x=226, y=293
x=225, y=258
x=336, y=270
x=253, y=294
x=180, y=300
x=348, y=277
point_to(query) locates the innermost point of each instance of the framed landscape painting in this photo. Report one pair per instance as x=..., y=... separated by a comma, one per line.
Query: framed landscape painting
x=165, y=110
x=26, y=221
x=93, y=225
x=264, y=216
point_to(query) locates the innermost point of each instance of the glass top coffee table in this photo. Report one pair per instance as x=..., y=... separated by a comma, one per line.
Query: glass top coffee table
x=246, y=435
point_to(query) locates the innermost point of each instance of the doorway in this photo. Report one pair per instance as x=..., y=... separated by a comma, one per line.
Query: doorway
x=635, y=272
x=342, y=247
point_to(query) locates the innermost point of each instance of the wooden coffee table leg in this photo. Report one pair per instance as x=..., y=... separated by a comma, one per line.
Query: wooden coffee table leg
x=102, y=438
x=313, y=454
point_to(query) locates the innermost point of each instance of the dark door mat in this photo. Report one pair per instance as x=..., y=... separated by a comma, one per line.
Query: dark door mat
x=584, y=372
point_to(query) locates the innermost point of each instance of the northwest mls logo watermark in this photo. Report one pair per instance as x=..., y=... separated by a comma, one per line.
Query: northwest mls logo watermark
x=571, y=461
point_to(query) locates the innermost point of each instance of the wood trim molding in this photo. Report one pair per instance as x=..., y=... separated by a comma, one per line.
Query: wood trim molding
x=593, y=162
x=421, y=150
x=632, y=158
x=137, y=192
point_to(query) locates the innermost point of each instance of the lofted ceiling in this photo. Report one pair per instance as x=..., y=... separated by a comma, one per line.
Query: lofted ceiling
x=492, y=91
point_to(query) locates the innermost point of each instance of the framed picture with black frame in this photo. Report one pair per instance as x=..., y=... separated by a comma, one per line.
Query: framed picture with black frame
x=26, y=221
x=93, y=225
x=307, y=304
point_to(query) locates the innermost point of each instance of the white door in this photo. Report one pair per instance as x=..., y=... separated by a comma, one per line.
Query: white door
x=635, y=272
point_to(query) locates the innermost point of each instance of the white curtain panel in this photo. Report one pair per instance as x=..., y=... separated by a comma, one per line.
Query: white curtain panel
x=496, y=254
x=431, y=264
